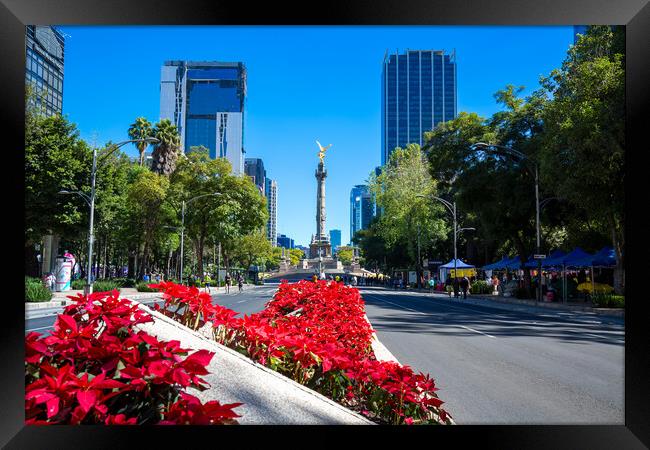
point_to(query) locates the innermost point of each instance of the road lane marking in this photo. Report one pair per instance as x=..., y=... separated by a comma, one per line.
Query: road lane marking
x=41, y=328
x=476, y=331
x=424, y=314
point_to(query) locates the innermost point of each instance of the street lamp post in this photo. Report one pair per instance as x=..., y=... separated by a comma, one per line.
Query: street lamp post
x=522, y=157
x=216, y=194
x=88, y=288
x=452, y=209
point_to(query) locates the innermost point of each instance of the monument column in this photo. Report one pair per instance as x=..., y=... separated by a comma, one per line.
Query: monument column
x=321, y=174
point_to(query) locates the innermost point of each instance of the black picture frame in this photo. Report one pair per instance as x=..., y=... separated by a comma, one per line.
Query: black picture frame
x=635, y=14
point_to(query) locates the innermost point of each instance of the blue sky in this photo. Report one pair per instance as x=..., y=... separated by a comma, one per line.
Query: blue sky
x=304, y=84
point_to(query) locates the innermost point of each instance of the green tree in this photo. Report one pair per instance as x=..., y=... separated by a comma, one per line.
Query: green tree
x=166, y=152
x=295, y=255
x=253, y=248
x=345, y=255
x=408, y=217
x=583, y=156
x=146, y=197
x=55, y=159
x=140, y=129
x=238, y=211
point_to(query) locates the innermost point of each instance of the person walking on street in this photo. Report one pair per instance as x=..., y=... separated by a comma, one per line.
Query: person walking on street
x=227, y=283
x=207, y=280
x=240, y=283
x=464, y=284
x=456, y=288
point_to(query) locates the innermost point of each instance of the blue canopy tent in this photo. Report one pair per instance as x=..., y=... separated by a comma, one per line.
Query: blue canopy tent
x=532, y=263
x=566, y=260
x=450, y=265
x=498, y=264
x=605, y=257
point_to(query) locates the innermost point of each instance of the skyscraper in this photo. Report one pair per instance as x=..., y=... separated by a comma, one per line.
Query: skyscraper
x=362, y=209
x=254, y=168
x=335, y=239
x=285, y=241
x=418, y=91
x=205, y=100
x=271, y=190
x=44, y=56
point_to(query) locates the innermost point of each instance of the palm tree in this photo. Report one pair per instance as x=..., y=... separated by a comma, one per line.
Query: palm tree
x=165, y=152
x=140, y=129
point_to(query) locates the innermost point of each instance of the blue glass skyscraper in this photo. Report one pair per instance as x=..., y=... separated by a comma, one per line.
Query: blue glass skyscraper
x=418, y=91
x=335, y=239
x=205, y=100
x=362, y=208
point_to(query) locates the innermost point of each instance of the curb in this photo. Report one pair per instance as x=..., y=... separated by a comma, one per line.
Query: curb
x=66, y=301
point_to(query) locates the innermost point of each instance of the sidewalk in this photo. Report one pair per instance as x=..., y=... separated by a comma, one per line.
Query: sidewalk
x=508, y=303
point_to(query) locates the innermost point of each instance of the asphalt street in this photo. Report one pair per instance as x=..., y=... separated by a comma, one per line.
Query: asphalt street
x=491, y=365
x=496, y=366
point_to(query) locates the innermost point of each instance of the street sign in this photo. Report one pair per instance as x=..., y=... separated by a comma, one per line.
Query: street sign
x=435, y=262
x=539, y=256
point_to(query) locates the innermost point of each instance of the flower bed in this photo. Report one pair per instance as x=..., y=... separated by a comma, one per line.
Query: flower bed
x=316, y=333
x=96, y=369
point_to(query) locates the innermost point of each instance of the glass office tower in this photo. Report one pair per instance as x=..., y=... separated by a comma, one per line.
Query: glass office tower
x=44, y=54
x=362, y=209
x=418, y=92
x=271, y=192
x=335, y=240
x=205, y=100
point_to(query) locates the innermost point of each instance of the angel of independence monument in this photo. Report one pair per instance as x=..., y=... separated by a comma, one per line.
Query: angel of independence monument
x=320, y=248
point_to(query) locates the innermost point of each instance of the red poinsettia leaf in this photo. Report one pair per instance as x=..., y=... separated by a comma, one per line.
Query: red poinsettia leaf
x=86, y=399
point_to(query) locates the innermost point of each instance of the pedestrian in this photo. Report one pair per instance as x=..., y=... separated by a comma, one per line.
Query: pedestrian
x=240, y=283
x=227, y=280
x=495, y=284
x=207, y=281
x=432, y=284
x=456, y=290
x=465, y=285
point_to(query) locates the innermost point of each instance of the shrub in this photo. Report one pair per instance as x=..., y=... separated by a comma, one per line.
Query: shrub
x=96, y=369
x=317, y=334
x=144, y=287
x=36, y=291
x=105, y=286
x=125, y=282
x=78, y=284
x=481, y=287
x=608, y=300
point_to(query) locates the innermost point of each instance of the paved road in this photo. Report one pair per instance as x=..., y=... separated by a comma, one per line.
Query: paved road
x=251, y=300
x=495, y=366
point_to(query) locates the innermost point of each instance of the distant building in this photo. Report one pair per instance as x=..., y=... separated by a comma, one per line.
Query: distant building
x=418, y=91
x=362, y=209
x=44, y=57
x=285, y=241
x=335, y=239
x=205, y=100
x=254, y=168
x=271, y=191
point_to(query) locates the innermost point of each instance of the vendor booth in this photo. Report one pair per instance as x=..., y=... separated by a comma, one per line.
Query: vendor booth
x=459, y=269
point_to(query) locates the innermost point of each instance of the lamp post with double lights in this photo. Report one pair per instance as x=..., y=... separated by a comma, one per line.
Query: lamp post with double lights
x=215, y=194
x=452, y=209
x=88, y=288
x=494, y=148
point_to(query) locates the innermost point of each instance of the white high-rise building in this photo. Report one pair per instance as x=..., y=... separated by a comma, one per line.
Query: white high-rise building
x=272, y=202
x=205, y=100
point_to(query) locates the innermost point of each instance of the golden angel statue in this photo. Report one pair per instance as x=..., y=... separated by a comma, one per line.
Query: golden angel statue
x=321, y=153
